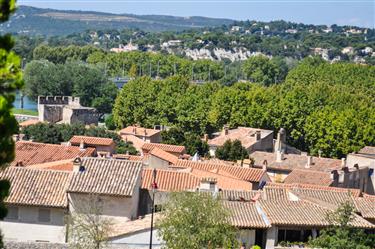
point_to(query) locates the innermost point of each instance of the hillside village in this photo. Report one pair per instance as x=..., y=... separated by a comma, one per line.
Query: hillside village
x=278, y=194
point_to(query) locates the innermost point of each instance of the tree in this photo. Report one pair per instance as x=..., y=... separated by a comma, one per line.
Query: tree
x=133, y=71
x=195, y=221
x=231, y=151
x=260, y=69
x=341, y=234
x=88, y=228
x=10, y=81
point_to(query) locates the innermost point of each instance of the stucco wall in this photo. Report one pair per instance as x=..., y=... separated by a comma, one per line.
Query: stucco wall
x=139, y=239
x=28, y=228
x=156, y=162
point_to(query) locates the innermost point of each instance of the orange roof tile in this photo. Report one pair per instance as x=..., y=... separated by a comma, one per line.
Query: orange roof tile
x=164, y=155
x=37, y=187
x=64, y=165
x=93, y=141
x=309, y=177
x=30, y=153
x=138, y=131
x=247, y=174
x=137, y=142
x=128, y=157
x=147, y=147
x=170, y=180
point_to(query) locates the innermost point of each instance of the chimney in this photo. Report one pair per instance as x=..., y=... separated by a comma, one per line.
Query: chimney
x=343, y=162
x=208, y=185
x=265, y=164
x=225, y=130
x=334, y=175
x=19, y=164
x=279, y=156
x=356, y=166
x=77, y=165
x=258, y=135
x=82, y=145
x=309, y=162
x=145, y=132
x=134, y=130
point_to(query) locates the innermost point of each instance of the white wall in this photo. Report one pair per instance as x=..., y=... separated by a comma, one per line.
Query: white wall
x=139, y=240
x=28, y=228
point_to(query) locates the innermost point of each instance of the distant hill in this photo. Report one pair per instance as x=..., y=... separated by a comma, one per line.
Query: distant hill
x=37, y=21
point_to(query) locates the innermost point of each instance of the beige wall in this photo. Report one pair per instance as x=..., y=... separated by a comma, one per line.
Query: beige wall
x=28, y=228
x=156, y=162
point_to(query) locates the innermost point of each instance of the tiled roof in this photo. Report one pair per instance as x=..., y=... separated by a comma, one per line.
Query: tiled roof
x=139, y=131
x=302, y=213
x=64, y=165
x=107, y=177
x=170, y=180
x=294, y=161
x=238, y=195
x=366, y=206
x=164, y=155
x=36, y=187
x=133, y=226
x=128, y=157
x=245, y=134
x=147, y=147
x=76, y=140
x=309, y=177
x=247, y=174
x=29, y=122
x=368, y=150
x=35, y=153
x=245, y=215
x=136, y=142
x=223, y=182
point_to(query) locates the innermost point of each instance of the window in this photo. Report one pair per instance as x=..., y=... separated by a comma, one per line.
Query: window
x=12, y=213
x=44, y=215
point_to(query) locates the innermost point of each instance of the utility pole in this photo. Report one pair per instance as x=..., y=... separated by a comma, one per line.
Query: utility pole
x=154, y=187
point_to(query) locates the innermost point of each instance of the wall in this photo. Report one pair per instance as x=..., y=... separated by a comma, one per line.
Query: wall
x=155, y=138
x=139, y=240
x=53, y=231
x=155, y=162
x=264, y=144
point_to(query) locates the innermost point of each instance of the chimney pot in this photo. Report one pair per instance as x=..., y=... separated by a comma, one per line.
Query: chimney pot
x=82, y=145
x=343, y=162
x=225, y=130
x=77, y=163
x=309, y=162
x=279, y=156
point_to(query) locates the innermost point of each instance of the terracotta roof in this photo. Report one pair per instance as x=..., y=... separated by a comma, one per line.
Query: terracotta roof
x=29, y=122
x=147, y=147
x=366, y=206
x=138, y=131
x=309, y=177
x=294, y=161
x=368, y=150
x=36, y=187
x=93, y=141
x=238, y=195
x=302, y=213
x=164, y=155
x=170, y=180
x=223, y=182
x=136, y=142
x=247, y=174
x=64, y=165
x=245, y=134
x=128, y=157
x=245, y=215
x=107, y=177
x=36, y=153
x=133, y=226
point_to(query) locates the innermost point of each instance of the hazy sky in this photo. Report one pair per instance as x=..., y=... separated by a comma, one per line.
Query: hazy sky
x=342, y=12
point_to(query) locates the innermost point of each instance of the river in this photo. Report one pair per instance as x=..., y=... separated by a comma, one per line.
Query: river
x=28, y=104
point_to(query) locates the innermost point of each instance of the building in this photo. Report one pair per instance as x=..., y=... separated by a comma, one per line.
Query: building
x=125, y=48
x=65, y=109
x=30, y=153
x=175, y=150
x=103, y=146
x=115, y=183
x=37, y=205
x=146, y=135
x=252, y=139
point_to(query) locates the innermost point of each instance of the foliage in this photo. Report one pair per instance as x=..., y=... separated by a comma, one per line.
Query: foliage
x=10, y=81
x=194, y=221
x=88, y=228
x=231, y=151
x=341, y=234
x=25, y=112
x=125, y=148
x=260, y=69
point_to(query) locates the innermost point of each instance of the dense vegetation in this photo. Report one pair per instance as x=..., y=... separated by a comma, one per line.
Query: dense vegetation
x=322, y=106
x=58, y=133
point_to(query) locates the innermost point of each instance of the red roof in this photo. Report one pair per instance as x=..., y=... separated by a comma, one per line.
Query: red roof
x=29, y=153
x=309, y=177
x=166, y=147
x=164, y=155
x=139, y=131
x=94, y=141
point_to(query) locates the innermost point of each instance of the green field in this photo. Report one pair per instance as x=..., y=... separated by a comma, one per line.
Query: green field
x=25, y=112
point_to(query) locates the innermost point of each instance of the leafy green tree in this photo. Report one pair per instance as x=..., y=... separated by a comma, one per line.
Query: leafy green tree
x=231, y=151
x=341, y=234
x=125, y=148
x=11, y=80
x=211, y=228
x=260, y=69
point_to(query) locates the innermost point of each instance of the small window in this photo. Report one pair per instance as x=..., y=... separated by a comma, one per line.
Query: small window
x=44, y=215
x=12, y=213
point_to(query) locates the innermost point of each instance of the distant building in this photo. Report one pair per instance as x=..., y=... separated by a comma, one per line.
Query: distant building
x=65, y=109
x=348, y=50
x=144, y=134
x=104, y=146
x=125, y=48
x=252, y=139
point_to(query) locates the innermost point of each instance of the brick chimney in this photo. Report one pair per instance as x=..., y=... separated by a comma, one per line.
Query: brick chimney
x=258, y=135
x=82, y=145
x=279, y=156
x=343, y=162
x=208, y=184
x=225, y=130
x=309, y=162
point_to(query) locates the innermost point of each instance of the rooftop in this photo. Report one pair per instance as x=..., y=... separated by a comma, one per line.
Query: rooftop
x=166, y=147
x=93, y=141
x=34, y=187
x=309, y=177
x=139, y=131
x=107, y=177
x=164, y=155
x=246, y=135
x=29, y=153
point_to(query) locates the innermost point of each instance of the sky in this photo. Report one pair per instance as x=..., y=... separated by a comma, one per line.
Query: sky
x=342, y=12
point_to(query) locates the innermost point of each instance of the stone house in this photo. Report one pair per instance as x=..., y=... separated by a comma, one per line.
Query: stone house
x=146, y=135
x=252, y=139
x=103, y=146
x=37, y=205
x=175, y=150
